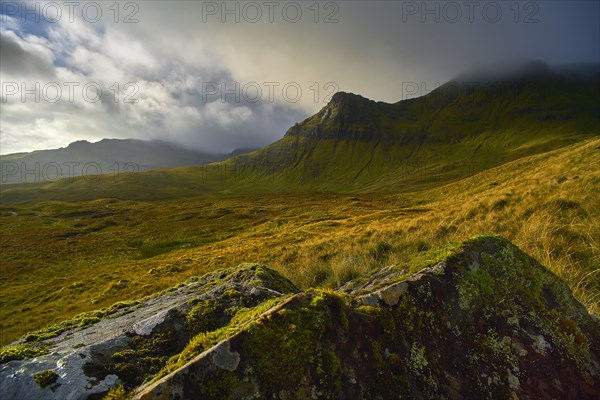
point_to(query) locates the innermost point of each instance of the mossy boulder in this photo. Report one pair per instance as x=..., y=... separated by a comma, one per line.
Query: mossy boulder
x=129, y=343
x=487, y=322
x=477, y=320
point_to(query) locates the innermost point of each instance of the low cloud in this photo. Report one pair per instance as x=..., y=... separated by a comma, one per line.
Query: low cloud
x=83, y=82
x=22, y=57
x=216, y=83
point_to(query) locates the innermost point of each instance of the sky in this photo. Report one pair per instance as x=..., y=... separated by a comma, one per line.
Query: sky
x=216, y=76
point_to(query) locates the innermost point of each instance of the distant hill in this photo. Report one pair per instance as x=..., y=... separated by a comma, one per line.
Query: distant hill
x=479, y=120
x=108, y=156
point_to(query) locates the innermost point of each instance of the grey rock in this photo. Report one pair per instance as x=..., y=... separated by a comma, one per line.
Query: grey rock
x=224, y=358
x=370, y=299
x=145, y=327
x=75, y=349
x=392, y=293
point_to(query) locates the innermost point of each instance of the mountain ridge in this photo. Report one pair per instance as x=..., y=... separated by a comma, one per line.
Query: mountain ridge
x=354, y=144
x=476, y=88
x=347, y=115
x=107, y=156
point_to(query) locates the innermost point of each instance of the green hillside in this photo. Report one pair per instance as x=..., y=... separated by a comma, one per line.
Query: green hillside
x=358, y=145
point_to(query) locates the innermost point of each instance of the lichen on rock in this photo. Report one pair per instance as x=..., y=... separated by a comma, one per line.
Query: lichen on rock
x=469, y=326
x=130, y=343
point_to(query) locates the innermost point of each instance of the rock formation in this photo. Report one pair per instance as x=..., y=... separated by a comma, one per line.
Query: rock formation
x=485, y=322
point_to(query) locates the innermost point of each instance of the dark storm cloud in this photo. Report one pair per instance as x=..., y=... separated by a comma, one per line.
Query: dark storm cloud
x=180, y=54
x=373, y=47
x=17, y=60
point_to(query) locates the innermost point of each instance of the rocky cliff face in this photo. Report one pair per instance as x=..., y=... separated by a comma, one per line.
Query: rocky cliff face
x=530, y=96
x=485, y=322
x=347, y=116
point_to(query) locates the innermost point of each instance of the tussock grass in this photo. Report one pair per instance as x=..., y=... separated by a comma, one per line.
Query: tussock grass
x=61, y=259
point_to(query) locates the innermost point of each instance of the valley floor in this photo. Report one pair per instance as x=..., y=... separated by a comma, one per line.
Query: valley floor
x=60, y=259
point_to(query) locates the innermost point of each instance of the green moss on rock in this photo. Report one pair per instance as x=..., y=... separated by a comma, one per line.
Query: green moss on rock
x=22, y=351
x=481, y=319
x=45, y=378
x=82, y=320
x=283, y=344
x=117, y=393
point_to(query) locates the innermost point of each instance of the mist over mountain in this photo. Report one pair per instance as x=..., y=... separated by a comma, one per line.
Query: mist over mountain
x=531, y=69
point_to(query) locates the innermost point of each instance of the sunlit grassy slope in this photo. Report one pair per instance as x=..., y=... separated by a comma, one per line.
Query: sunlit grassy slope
x=62, y=258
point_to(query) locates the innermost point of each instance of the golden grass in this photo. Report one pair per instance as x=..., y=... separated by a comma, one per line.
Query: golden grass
x=60, y=259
